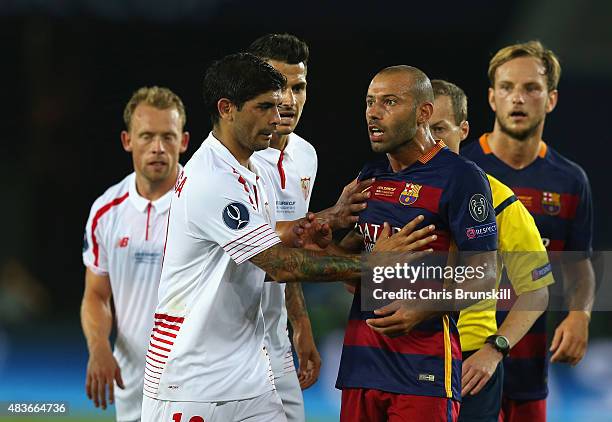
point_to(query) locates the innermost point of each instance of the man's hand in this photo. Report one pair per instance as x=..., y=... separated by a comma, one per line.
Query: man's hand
x=102, y=371
x=407, y=239
x=569, y=343
x=352, y=201
x=478, y=369
x=399, y=319
x=309, y=360
x=311, y=232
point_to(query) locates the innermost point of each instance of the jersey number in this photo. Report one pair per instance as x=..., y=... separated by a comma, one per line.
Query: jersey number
x=178, y=188
x=177, y=418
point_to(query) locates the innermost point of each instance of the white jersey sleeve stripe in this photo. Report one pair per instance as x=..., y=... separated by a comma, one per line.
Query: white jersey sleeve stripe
x=96, y=219
x=262, y=240
x=168, y=326
x=164, y=333
x=258, y=250
x=244, y=236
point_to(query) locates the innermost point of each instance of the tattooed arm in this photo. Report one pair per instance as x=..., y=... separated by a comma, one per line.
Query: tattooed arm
x=291, y=265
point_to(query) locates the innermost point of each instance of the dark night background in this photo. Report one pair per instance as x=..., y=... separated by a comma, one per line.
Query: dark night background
x=69, y=67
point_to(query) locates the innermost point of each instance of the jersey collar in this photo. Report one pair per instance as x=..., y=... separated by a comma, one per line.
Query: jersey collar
x=272, y=155
x=161, y=204
x=227, y=156
x=486, y=148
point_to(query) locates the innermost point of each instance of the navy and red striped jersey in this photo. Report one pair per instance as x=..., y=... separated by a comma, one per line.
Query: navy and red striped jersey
x=454, y=194
x=557, y=194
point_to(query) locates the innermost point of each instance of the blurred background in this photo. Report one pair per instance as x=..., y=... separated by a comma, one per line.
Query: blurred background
x=69, y=66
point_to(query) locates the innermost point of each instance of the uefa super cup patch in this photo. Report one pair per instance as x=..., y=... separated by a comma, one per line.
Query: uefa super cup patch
x=483, y=230
x=479, y=207
x=236, y=216
x=538, y=273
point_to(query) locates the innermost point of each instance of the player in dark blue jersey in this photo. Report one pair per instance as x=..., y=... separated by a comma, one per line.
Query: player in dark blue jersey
x=556, y=192
x=398, y=363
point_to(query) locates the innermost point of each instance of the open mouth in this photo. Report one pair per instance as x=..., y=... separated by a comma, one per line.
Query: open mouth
x=375, y=131
x=518, y=114
x=287, y=117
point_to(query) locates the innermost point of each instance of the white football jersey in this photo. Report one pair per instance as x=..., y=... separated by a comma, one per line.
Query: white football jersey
x=293, y=173
x=207, y=343
x=124, y=239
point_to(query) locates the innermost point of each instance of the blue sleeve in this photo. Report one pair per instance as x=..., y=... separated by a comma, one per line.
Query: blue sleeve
x=580, y=236
x=471, y=217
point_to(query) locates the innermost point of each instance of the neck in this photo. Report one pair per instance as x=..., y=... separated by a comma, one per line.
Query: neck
x=516, y=153
x=155, y=190
x=279, y=142
x=407, y=154
x=227, y=138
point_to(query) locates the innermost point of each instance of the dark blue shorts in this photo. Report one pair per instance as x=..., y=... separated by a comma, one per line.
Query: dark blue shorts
x=484, y=406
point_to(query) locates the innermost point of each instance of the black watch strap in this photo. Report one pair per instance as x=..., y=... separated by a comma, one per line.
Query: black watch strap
x=500, y=343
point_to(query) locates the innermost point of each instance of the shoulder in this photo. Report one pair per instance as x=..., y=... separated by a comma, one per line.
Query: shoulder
x=114, y=195
x=460, y=164
x=570, y=169
x=471, y=149
x=302, y=145
x=373, y=168
x=499, y=191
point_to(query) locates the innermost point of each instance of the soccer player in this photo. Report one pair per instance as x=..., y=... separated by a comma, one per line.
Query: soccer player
x=556, y=192
x=293, y=162
x=206, y=358
x=124, y=242
x=401, y=364
x=520, y=246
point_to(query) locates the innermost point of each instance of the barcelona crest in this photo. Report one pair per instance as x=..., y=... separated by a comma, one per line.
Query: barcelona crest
x=305, y=184
x=410, y=194
x=551, y=203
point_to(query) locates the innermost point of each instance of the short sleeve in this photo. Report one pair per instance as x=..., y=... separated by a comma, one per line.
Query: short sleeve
x=580, y=236
x=224, y=210
x=94, y=242
x=522, y=250
x=471, y=217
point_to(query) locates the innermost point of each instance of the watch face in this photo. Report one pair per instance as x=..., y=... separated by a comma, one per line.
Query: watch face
x=501, y=342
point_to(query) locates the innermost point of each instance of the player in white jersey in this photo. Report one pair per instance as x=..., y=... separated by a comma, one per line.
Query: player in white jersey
x=293, y=162
x=205, y=361
x=123, y=248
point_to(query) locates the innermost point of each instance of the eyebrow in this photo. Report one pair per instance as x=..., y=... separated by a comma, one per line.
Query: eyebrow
x=439, y=122
x=383, y=96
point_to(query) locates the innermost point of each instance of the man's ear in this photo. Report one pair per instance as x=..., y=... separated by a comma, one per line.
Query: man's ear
x=464, y=127
x=491, y=98
x=126, y=140
x=184, y=142
x=226, y=109
x=551, y=103
x=424, y=113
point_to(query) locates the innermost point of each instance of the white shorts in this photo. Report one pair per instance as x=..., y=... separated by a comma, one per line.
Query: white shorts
x=265, y=408
x=288, y=388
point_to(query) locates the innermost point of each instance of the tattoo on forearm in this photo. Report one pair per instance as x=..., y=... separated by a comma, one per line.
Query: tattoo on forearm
x=303, y=265
x=296, y=305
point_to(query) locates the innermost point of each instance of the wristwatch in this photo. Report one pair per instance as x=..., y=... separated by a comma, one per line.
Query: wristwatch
x=501, y=344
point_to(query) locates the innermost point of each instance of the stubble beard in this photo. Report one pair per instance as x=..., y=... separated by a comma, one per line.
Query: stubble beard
x=519, y=135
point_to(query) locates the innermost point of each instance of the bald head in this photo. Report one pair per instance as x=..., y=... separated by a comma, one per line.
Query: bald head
x=415, y=79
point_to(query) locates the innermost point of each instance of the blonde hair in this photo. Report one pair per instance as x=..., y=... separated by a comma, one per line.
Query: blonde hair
x=155, y=96
x=529, y=49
